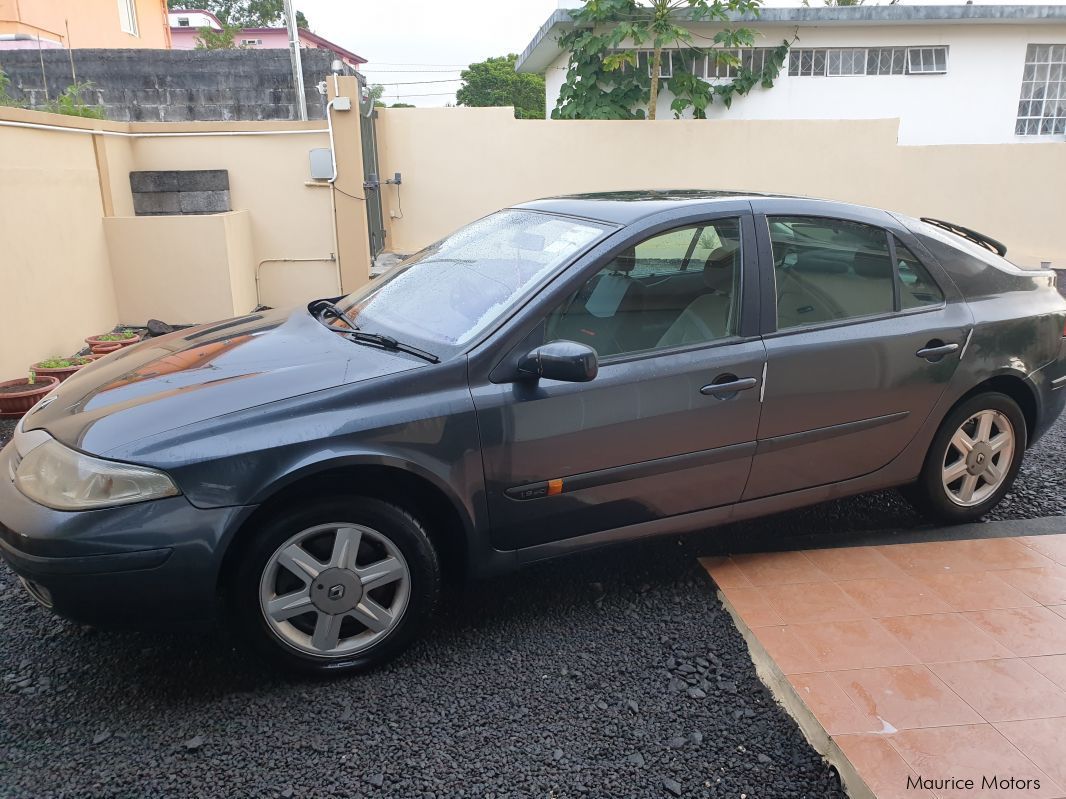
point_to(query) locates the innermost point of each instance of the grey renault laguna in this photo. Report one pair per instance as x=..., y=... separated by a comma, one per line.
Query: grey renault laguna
x=563, y=374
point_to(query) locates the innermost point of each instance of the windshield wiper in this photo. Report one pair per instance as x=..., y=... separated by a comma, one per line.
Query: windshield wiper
x=353, y=333
x=387, y=343
x=335, y=311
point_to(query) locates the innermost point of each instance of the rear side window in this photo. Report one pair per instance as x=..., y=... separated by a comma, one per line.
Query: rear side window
x=917, y=287
x=829, y=270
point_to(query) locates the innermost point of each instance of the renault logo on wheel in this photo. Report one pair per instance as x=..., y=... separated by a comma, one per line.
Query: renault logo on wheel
x=336, y=592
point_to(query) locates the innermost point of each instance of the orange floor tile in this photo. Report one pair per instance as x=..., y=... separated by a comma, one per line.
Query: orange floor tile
x=925, y=665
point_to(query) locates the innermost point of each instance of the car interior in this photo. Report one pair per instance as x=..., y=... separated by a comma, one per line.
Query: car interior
x=669, y=291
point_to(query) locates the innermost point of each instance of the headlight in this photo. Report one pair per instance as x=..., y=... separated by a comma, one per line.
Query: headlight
x=63, y=479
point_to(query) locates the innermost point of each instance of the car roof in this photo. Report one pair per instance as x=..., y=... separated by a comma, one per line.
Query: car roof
x=626, y=207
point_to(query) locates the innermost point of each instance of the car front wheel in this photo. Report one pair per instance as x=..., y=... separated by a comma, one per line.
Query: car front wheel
x=339, y=587
x=972, y=461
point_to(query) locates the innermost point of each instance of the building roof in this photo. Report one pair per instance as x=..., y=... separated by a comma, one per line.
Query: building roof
x=544, y=48
x=322, y=42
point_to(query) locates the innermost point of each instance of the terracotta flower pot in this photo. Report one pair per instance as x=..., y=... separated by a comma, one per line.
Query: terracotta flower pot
x=97, y=341
x=14, y=404
x=61, y=373
x=100, y=350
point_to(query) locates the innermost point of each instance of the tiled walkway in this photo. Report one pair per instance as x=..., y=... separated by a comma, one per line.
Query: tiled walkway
x=934, y=661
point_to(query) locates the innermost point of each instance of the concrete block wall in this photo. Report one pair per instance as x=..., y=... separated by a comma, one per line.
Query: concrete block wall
x=173, y=85
x=180, y=191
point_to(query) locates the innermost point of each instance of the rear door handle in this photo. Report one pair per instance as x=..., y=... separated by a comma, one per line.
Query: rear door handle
x=726, y=386
x=935, y=353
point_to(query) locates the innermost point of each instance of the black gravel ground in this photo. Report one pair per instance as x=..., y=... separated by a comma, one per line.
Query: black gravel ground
x=610, y=674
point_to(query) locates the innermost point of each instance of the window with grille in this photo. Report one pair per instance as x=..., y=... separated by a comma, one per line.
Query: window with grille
x=849, y=61
x=886, y=61
x=183, y=22
x=251, y=42
x=127, y=16
x=1042, y=107
x=844, y=61
x=806, y=62
x=927, y=60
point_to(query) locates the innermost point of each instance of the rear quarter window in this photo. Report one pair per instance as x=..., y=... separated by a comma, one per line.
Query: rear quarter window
x=975, y=270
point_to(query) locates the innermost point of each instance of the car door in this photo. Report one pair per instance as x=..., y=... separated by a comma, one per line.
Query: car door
x=867, y=337
x=657, y=432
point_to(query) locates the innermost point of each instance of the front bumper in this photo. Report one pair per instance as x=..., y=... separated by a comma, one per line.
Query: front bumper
x=134, y=565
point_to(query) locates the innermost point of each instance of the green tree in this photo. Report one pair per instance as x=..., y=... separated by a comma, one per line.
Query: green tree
x=377, y=91
x=245, y=13
x=607, y=77
x=402, y=105
x=210, y=39
x=494, y=83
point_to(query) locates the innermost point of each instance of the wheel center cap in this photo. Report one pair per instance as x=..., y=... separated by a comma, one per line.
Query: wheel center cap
x=336, y=591
x=979, y=459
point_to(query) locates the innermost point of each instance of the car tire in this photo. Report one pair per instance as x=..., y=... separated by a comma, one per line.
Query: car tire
x=955, y=487
x=377, y=584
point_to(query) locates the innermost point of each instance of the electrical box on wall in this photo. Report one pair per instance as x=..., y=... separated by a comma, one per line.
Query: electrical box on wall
x=321, y=163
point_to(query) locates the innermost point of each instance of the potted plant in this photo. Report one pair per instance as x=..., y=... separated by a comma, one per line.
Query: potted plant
x=18, y=396
x=122, y=338
x=61, y=368
x=100, y=350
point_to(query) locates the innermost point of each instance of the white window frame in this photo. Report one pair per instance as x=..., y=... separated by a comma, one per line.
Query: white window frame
x=251, y=42
x=920, y=67
x=839, y=54
x=183, y=22
x=666, y=67
x=1042, y=100
x=127, y=17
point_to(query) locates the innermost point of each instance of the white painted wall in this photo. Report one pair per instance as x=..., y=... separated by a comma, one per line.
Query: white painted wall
x=197, y=19
x=976, y=102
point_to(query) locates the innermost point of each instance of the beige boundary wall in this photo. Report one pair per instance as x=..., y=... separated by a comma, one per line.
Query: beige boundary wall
x=75, y=261
x=459, y=164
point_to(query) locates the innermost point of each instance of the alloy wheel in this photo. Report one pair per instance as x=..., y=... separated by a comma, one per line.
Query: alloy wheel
x=334, y=590
x=978, y=458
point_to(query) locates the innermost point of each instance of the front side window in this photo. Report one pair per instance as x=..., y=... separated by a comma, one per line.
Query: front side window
x=443, y=297
x=1042, y=107
x=674, y=289
x=829, y=270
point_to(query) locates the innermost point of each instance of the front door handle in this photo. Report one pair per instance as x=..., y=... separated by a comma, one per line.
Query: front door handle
x=935, y=350
x=727, y=386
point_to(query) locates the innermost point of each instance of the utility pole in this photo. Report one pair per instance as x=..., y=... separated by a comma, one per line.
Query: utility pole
x=297, y=62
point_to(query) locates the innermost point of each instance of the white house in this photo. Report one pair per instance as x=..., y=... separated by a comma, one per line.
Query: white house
x=951, y=74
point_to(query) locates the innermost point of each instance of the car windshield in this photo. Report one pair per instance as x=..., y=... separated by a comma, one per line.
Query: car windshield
x=443, y=297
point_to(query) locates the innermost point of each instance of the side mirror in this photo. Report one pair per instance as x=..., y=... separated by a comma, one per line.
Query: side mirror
x=560, y=360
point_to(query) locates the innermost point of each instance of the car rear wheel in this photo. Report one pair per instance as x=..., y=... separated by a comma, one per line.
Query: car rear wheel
x=339, y=587
x=972, y=461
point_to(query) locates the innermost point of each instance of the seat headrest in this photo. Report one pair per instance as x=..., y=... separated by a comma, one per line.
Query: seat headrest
x=720, y=266
x=625, y=261
x=872, y=264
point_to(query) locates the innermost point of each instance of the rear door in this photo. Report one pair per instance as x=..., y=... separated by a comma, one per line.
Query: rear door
x=866, y=339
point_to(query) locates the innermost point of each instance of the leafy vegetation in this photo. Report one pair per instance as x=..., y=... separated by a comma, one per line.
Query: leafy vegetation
x=494, y=82
x=607, y=78
x=69, y=102
x=210, y=39
x=56, y=362
x=5, y=97
x=122, y=335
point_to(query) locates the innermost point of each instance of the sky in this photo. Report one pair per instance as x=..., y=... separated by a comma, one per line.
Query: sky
x=424, y=44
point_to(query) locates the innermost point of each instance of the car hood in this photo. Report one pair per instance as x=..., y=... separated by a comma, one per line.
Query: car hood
x=204, y=372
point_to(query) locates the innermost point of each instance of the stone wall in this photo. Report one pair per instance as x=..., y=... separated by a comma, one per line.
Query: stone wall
x=174, y=85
